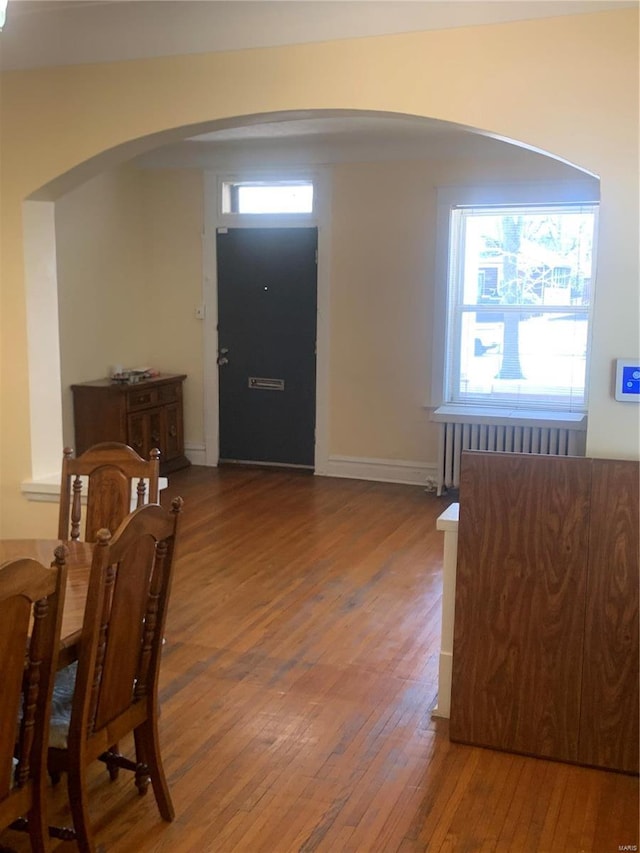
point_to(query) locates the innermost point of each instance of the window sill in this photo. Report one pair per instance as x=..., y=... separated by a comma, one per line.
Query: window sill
x=509, y=417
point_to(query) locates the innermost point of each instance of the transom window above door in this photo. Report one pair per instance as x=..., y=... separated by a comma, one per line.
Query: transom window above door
x=267, y=197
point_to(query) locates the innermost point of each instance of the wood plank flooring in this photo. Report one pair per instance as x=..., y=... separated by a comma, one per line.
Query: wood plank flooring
x=298, y=678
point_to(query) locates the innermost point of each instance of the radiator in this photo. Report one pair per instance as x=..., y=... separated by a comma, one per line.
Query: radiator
x=511, y=438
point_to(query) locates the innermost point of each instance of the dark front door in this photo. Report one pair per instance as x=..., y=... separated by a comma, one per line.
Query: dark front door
x=267, y=339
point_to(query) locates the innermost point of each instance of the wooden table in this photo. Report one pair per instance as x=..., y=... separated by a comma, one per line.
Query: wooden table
x=78, y=566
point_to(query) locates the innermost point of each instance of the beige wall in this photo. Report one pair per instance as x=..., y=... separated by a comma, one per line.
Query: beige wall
x=382, y=295
x=134, y=238
x=102, y=281
x=173, y=221
x=129, y=267
x=566, y=85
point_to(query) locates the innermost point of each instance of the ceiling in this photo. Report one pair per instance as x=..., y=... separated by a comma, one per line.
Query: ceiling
x=40, y=33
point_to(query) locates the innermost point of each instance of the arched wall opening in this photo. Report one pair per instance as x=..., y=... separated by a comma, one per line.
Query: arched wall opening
x=50, y=401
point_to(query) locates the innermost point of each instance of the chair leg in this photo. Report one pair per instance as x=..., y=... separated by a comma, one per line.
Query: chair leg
x=141, y=771
x=79, y=803
x=38, y=826
x=112, y=767
x=56, y=764
x=148, y=751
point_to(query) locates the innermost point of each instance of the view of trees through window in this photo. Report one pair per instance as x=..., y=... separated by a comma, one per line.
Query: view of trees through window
x=520, y=293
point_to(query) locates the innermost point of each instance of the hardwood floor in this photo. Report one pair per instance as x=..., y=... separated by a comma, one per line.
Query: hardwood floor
x=298, y=678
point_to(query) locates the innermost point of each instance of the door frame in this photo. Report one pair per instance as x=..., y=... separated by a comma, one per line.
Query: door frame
x=214, y=219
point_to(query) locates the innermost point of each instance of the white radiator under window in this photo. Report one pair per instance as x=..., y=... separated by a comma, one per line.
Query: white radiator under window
x=507, y=434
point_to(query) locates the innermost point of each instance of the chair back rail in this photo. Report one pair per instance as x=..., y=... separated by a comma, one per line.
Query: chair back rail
x=31, y=602
x=115, y=476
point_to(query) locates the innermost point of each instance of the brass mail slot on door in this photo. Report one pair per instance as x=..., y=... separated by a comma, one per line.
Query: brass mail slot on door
x=266, y=384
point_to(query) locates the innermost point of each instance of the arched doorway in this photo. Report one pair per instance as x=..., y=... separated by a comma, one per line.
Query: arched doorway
x=352, y=138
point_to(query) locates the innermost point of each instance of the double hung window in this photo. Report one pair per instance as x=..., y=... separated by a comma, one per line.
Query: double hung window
x=520, y=286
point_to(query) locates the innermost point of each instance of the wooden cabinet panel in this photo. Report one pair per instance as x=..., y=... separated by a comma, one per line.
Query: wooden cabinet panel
x=145, y=431
x=157, y=436
x=545, y=652
x=173, y=430
x=145, y=415
x=106, y=421
x=138, y=433
x=609, y=719
x=520, y=603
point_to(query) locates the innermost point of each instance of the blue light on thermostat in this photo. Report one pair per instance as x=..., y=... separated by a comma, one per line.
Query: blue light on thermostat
x=631, y=380
x=627, y=380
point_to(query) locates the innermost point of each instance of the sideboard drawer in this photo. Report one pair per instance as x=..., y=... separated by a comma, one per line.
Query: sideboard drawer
x=171, y=393
x=142, y=398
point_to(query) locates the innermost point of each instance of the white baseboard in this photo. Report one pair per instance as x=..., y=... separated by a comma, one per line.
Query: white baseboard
x=443, y=708
x=349, y=467
x=380, y=470
x=47, y=489
x=357, y=468
x=195, y=453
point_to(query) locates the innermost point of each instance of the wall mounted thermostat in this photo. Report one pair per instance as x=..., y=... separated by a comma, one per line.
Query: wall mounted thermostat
x=628, y=380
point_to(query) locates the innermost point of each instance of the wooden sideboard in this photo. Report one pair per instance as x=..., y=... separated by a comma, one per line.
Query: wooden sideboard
x=545, y=639
x=143, y=415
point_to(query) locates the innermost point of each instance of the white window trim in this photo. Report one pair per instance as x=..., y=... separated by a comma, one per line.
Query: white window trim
x=449, y=197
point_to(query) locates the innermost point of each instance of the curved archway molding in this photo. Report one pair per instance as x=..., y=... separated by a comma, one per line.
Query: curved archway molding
x=41, y=288
x=125, y=151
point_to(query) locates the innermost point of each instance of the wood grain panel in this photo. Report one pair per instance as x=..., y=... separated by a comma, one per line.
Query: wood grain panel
x=609, y=719
x=520, y=602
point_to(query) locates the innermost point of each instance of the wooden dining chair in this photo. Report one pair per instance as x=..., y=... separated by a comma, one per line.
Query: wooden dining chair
x=115, y=477
x=115, y=688
x=31, y=602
